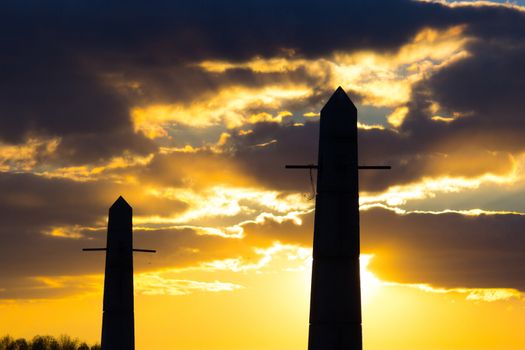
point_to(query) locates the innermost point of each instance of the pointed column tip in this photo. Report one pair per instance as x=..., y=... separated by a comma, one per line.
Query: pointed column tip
x=120, y=203
x=339, y=98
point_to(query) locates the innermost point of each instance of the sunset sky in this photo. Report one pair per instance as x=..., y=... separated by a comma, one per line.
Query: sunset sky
x=191, y=109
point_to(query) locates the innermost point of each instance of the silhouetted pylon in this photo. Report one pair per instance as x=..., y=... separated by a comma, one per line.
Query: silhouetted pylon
x=118, y=320
x=335, y=303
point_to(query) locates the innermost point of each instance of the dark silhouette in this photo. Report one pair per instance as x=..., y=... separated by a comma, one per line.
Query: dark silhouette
x=335, y=304
x=118, y=330
x=46, y=342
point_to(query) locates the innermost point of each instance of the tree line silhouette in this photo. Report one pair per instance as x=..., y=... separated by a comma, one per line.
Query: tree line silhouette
x=46, y=342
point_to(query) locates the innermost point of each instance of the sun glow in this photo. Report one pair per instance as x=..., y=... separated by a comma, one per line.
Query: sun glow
x=370, y=284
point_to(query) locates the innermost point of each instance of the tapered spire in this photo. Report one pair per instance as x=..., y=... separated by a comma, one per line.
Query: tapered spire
x=118, y=330
x=335, y=305
x=335, y=301
x=118, y=320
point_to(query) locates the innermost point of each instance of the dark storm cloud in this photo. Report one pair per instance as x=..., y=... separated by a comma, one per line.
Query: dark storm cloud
x=198, y=170
x=61, y=92
x=59, y=60
x=446, y=250
x=485, y=87
x=166, y=31
x=62, y=62
x=32, y=205
x=187, y=84
x=42, y=201
x=412, y=156
x=295, y=145
x=488, y=86
x=48, y=93
x=62, y=259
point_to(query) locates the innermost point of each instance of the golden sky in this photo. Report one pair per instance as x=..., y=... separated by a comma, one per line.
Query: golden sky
x=191, y=115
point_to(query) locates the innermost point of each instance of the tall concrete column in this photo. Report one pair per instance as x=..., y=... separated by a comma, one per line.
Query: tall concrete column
x=118, y=331
x=335, y=305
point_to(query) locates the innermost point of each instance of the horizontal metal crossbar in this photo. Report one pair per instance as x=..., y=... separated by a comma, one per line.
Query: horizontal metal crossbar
x=103, y=249
x=145, y=250
x=310, y=166
x=374, y=167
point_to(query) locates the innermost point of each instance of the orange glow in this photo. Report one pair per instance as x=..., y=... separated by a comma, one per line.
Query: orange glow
x=267, y=308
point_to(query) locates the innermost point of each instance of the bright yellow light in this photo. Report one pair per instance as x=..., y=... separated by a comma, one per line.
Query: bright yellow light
x=477, y=3
x=429, y=187
x=23, y=157
x=155, y=283
x=387, y=79
x=84, y=173
x=370, y=127
x=228, y=107
x=64, y=233
x=395, y=316
x=370, y=284
x=258, y=64
x=225, y=201
x=397, y=117
x=311, y=114
x=438, y=118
